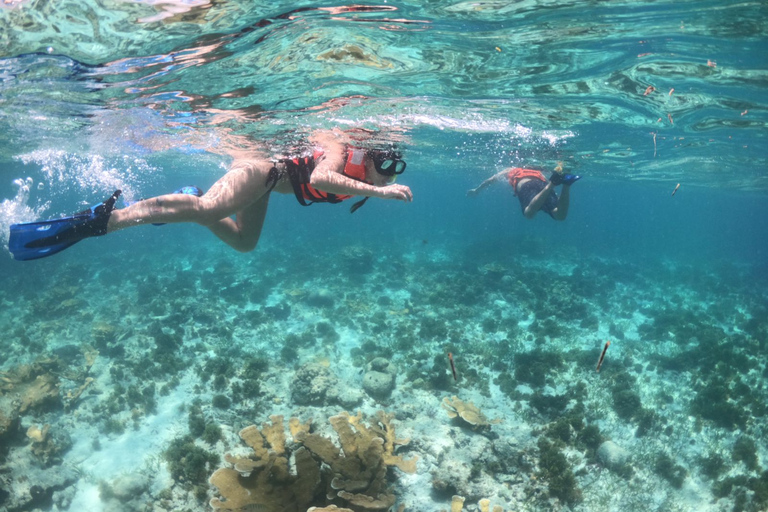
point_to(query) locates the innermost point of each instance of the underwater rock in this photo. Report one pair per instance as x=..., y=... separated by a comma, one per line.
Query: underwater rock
x=36, y=490
x=312, y=383
x=378, y=384
x=612, y=455
x=129, y=487
x=357, y=259
x=63, y=498
x=346, y=396
x=451, y=475
x=322, y=298
x=508, y=454
x=379, y=380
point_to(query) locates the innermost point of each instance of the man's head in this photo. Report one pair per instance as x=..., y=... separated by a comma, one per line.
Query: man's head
x=383, y=166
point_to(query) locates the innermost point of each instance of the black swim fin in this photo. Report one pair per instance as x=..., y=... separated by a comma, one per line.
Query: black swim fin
x=34, y=240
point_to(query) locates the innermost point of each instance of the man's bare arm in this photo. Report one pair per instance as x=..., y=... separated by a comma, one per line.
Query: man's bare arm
x=486, y=183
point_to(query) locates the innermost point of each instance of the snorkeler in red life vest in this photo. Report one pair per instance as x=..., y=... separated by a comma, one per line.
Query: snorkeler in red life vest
x=299, y=172
x=534, y=192
x=334, y=173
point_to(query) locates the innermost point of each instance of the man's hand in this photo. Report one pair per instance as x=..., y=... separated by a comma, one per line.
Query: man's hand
x=399, y=192
x=472, y=192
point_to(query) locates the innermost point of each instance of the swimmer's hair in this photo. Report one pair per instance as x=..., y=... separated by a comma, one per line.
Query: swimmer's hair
x=392, y=152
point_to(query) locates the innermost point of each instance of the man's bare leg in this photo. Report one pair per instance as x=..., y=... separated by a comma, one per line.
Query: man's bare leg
x=538, y=201
x=561, y=210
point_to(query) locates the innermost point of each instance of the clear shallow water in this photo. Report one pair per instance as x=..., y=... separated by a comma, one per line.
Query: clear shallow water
x=132, y=95
x=502, y=81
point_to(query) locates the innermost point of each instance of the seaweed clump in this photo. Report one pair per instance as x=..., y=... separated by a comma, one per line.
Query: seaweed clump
x=534, y=367
x=712, y=466
x=351, y=474
x=628, y=406
x=754, y=501
x=555, y=469
x=713, y=402
x=667, y=469
x=745, y=450
x=189, y=463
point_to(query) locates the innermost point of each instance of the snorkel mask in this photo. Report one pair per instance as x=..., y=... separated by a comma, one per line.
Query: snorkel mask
x=388, y=163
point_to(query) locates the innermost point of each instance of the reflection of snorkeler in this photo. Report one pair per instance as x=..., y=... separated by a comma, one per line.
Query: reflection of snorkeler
x=534, y=191
x=334, y=173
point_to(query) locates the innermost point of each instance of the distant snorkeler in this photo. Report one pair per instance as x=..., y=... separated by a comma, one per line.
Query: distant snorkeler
x=534, y=192
x=335, y=172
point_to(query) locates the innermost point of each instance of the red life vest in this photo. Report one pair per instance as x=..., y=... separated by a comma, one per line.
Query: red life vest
x=518, y=173
x=302, y=170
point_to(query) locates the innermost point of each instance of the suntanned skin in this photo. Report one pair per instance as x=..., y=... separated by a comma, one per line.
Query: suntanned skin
x=560, y=212
x=243, y=192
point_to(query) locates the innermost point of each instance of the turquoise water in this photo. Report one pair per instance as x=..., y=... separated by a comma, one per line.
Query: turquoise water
x=148, y=351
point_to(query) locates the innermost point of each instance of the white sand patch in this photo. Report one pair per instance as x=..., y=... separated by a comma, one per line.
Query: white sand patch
x=135, y=451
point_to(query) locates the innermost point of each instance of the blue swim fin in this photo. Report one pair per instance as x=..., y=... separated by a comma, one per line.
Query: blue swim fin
x=34, y=240
x=563, y=179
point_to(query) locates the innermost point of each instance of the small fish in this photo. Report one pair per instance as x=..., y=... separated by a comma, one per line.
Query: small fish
x=602, y=356
x=453, y=367
x=649, y=90
x=675, y=191
x=498, y=49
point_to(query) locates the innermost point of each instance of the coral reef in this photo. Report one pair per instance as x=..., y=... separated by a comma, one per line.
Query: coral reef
x=46, y=447
x=359, y=465
x=484, y=505
x=33, y=386
x=689, y=381
x=9, y=425
x=468, y=412
x=353, y=472
x=263, y=478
